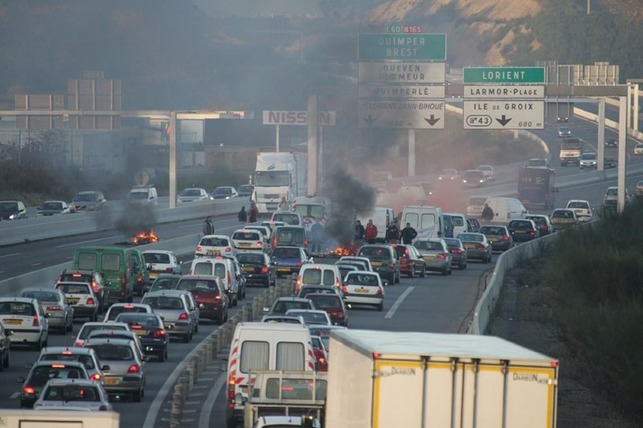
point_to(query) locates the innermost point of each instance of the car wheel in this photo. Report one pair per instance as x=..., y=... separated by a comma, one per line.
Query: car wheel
x=450, y=270
x=445, y=272
x=423, y=273
x=412, y=272
x=70, y=327
x=162, y=356
x=196, y=327
x=380, y=307
x=136, y=397
x=397, y=278
x=5, y=363
x=187, y=338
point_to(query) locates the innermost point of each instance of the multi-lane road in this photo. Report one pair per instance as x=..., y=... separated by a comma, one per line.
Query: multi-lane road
x=435, y=303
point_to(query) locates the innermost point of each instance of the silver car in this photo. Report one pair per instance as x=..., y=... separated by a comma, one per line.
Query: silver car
x=126, y=372
x=88, y=327
x=85, y=356
x=477, y=245
x=73, y=394
x=180, y=317
x=25, y=318
x=436, y=254
x=59, y=312
x=364, y=288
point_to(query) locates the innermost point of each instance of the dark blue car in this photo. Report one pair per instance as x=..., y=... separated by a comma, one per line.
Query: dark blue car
x=289, y=259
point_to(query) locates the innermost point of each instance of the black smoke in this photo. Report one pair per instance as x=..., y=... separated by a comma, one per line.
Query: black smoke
x=136, y=219
x=349, y=197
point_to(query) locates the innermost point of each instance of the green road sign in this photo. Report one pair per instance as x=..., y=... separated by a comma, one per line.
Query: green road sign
x=504, y=75
x=403, y=46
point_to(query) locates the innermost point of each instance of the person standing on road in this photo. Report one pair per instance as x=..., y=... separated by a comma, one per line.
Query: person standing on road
x=370, y=232
x=316, y=236
x=487, y=214
x=392, y=233
x=359, y=233
x=408, y=234
x=254, y=213
x=208, y=227
x=243, y=215
x=283, y=205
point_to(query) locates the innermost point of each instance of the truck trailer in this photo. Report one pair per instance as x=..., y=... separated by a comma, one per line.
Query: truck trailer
x=57, y=419
x=419, y=380
x=278, y=175
x=537, y=187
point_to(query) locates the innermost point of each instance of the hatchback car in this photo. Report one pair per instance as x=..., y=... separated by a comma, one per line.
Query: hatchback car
x=43, y=371
x=247, y=240
x=562, y=219
x=165, y=282
x=582, y=208
x=161, y=261
x=488, y=171
x=474, y=178
x=384, y=261
x=477, y=246
x=611, y=142
x=118, y=308
x=311, y=316
x=180, y=317
x=435, y=253
x=542, y=223
x=75, y=394
x=245, y=190
x=127, y=334
x=151, y=332
x=638, y=149
x=93, y=278
x=90, y=200
x=448, y=175
x=289, y=259
x=225, y=192
x=85, y=356
x=345, y=268
x=49, y=208
x=321, y=356
x=458, y=252
x=81, y=297
x=209, y=294
x=214, y=245
x=364, y=288
x=88, y=327
x=334, y=306
x=611, y=197
x=498, y=236
x=284, y=304
x=588, y=160
x=126, y=373
x=523, y=230
x=257, y=269
x=192, y=194
x=12, y=210
x=411, y=261
x=317, y=289
x=564, y=131
x=59, y=312
x=25, y=320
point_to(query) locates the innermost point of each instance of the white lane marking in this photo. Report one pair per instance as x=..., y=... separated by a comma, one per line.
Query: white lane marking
x=398, y=302
x=10, y=255
x=204, y=417
x=91, y=240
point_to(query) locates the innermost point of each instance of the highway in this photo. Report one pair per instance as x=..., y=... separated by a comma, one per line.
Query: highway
x=435, y=303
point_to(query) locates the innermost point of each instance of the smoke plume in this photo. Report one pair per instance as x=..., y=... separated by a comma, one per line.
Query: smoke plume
x=136, y=219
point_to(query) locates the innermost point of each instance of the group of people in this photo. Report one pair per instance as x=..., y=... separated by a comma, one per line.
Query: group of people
x=249, y=216
x=393, y=235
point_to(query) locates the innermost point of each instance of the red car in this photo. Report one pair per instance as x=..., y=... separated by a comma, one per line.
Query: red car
x=411, y=261
x=320, y=354
x=209, y=296
x=334, y=306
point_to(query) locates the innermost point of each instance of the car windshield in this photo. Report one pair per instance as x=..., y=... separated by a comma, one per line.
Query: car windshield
x=246, y=236
x=84, y=359
x=492, y=230
x=251, y=258
x=87, y=329
x=138, y=195
x=8, y=206
x=473, y=175
x=360, y=279
x=42, y=374
x=577, y=204
x=521, y=225
x=197, y=285
x=86, y=197
x=163, y=302
x=72, y=393
x=471, y=237
x=110, y=352
x=114, y=311
x=475, y=200
x=17, y=308
x=139, y=319
x=165, y=283
x=612, y=191
x=223, y=191
x=452, y=242
x=310, y=317
x=375, y=252
x=282, y=306
x=214, y=242
x=429, y=245
x=538, y=220
x=191, y=192
x=288, y=218
x=73, y=288
x=41, y=295
x=329, y=301
x=52, y=206
x=588, y=156
x=563, y=214
x=156, y=258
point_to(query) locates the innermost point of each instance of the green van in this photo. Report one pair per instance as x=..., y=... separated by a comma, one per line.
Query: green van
x=122, y=269
x=290, y=236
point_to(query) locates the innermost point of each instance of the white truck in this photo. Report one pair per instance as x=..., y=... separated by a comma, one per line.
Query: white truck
x=291, y=393
x=57, y=419
x=417, y=380
x=278, y=175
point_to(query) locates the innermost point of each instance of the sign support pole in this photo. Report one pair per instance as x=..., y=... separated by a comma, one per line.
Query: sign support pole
x=411, y=152
x=312, y=144
x=622, y=134
x=601, y=135
x=172, y=168
x=321, y=155
x=277, y=138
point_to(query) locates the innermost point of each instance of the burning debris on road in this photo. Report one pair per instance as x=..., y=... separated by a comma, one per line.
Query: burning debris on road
x=137, y=224
x=146, y=237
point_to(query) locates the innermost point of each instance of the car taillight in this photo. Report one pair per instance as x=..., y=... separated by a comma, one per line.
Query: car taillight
x=229, y=278
x=35, y=322
x=259, y=244
x=297, y=285
x=298, y=264
x=90, y=301
x=505, y=237
x=169, y=270
x=231, y=384
x=123, y=281
x=28, y=389
x=379, y=291
x=264, y=269
x=199, y=249
x=306, y=242
x=532, y=232
x=228, y=249
x=442, y=256
x=134, y=368
x=406, y=252
x=95, y=376
x=78, y=343
x=103, y=408
x=217, y=297
x=481, y=246
x=344, y=289
x=159, y=332
x=54, y=308
x=274, y=243
x=136, y=327
x=183, y=316
x=140, y=277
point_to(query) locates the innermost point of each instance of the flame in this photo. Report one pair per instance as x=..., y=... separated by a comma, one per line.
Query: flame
x=145, y=237
x=345, y=250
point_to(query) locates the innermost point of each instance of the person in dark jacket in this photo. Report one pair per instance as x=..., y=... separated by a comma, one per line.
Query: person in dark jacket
x=243, y=216
x=487, y=214
x=392, y=233
x=253, y=214
x=408, y=234
x=359, y=233
x=208, y=227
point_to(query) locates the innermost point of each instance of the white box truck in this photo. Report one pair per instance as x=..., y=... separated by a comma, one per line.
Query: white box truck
x=420, y=380
x=57, y=419
x=278, y=175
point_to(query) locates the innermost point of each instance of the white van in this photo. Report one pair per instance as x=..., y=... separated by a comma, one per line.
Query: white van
x=506, y=209
x=475, y=206
x=263, y=346
x=318, y=274
x=290, y=218
x=143, y=195
x=459, y=224
x=382, y=217
x=222, y=268
x=426, y=220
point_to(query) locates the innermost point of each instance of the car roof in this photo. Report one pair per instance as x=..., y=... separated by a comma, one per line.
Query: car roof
x=108, y=341
x=168, y=293
x=19, y=299
x=60, y=349
x=158, y=251
x=67, y=363
x=62, y=381
x=292, y=299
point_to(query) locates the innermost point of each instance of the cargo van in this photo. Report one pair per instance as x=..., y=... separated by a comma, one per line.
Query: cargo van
x=382, y=217
x=459, y=225
x=426, y=220
x=294, y=236
x=263, y=346
x=222, y=268
x=475, y=206
x=121, y=269
x=506, y=209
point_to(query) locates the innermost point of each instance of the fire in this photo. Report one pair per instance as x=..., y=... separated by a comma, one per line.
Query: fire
x=145, y=237
x=345, y=250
